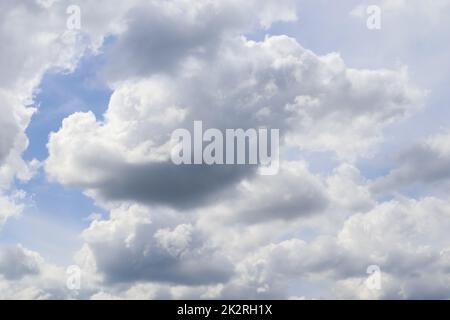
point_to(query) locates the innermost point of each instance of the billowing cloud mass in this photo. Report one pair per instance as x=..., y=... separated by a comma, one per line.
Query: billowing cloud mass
x=274, y=83
x=222, y=231
x=24, y=274
x=132, y=246
x=28, y=50
x=17, y=262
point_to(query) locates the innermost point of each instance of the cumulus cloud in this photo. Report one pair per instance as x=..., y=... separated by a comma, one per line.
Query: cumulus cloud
x=169, y=71
x=35, y=40
x=162, y=36
x=218, y=231
x=25, y=275
x=28, y=50
x=289, y=195
x=11, y=205
x=131, y=246
x=404, y=237
x=425, y=163
x=274, y=83
x=407, y=239
x=16, y=262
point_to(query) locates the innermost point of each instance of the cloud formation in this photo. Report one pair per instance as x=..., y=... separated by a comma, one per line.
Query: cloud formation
x=131, y=246
x=220, y=231
x=279, y=85
x=425, y=163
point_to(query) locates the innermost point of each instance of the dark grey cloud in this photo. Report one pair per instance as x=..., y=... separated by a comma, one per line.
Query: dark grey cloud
x=180, y=186
x=158, y=41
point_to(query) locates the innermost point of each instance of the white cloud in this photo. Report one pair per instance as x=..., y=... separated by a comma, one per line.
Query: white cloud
x=10, y=206
x=407, y=239
x=34, y=40
x=191, y=32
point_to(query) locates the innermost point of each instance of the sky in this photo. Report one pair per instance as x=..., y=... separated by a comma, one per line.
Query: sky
x=87, y=183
